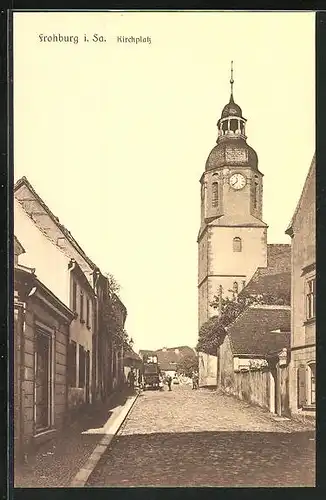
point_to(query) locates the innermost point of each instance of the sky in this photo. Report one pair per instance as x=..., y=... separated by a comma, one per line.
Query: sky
x=114, y=137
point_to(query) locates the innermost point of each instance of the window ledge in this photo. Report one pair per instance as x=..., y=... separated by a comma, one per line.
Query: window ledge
x=309, y=321
x=309, y=407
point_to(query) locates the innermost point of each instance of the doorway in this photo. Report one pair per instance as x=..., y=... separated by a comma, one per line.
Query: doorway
x=43, y=378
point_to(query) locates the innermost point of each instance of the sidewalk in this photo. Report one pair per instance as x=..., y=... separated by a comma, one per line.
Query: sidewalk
x=57, y=462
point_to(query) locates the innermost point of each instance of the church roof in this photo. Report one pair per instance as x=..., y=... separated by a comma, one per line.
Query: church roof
x=231, y=109
x=232, y=151
x=260, y=330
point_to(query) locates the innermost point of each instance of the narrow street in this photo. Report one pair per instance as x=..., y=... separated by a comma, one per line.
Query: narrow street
x=199, y=438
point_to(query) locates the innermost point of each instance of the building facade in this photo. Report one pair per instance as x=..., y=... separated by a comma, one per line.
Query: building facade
x=303, y=329
x=232, y=240
x=41, y=344
x=80, y=285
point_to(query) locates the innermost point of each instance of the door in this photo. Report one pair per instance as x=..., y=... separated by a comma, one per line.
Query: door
x=42, y=382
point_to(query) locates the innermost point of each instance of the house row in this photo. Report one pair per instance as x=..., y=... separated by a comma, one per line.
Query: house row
x=170, y=357
x=267, y=355
x=68, y=325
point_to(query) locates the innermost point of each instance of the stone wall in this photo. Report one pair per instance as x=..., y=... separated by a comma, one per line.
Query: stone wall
x=207, y=370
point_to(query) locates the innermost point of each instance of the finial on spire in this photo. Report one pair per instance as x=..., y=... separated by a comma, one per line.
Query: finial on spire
x=231, y=81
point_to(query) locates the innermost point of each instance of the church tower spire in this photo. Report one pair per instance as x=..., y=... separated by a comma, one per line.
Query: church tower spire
x=231, y=83
x=232, y=240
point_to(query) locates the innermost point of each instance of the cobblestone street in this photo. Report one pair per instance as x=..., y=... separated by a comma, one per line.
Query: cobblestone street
x=199, y=438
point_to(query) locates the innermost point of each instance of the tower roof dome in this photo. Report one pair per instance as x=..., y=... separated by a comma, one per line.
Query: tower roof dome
x=231, y=109
x=232, y=148
x=234, y=151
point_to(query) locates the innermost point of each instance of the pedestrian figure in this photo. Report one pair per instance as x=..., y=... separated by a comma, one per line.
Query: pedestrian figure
x=131, y=379
x=195, y=380
x=169, y=381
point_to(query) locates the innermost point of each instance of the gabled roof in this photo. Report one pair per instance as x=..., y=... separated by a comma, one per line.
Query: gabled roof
x=173, y=355
x=269, y=283
x=276, y=277
x=24, y=182
x=311, y=172
x=252, y=331
x=169, y=357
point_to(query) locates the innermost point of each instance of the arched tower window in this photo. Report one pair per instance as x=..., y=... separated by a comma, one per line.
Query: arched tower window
x=215, y=194
x=237, y=244
x=256, y=183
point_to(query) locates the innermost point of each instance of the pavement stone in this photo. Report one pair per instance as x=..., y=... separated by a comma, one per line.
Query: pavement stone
x=57, y=462
x=201, y=438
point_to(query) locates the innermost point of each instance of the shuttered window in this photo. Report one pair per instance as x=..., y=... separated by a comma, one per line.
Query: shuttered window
x=215, y=194
x=301, y=386
x=310, y=298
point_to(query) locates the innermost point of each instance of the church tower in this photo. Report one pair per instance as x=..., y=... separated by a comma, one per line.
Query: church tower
x=232, y=240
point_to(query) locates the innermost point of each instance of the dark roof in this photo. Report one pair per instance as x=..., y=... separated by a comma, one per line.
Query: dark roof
x=231, y=109
x=276, y=277
x=169, y=357
x=254, y=330
x=173, y=355
x=232, y=151
x=279, y=256
x=276, y=284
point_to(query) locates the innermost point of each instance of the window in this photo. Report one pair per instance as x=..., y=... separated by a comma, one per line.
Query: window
x=312, y=383
x=71, y=364
x=234, y=125
x=237, y=244
x=82, y=307
x=301, y=386
x=82, y=366
x=215, y=194
x=310, y=299
x=87, y=313
x=225, y=126
x=235, y=287
x=74, y=296
x=256, y=192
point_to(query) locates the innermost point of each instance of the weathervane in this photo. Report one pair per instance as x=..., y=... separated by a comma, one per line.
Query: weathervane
x=231, y=80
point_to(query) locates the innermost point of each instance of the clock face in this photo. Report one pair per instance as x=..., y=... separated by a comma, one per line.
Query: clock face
x=237, y=181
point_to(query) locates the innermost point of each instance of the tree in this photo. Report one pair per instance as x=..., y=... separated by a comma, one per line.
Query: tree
x=212, y=333
x=187, y=365
x=111, y=317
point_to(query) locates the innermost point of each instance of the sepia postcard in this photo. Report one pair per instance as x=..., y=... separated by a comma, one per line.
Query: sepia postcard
x=164, y=249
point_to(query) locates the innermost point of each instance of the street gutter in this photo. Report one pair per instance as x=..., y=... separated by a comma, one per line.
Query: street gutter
x=111, y=428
